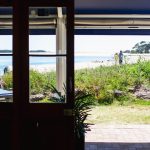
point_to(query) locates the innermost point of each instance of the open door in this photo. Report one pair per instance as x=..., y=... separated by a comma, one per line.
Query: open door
x=25, y=123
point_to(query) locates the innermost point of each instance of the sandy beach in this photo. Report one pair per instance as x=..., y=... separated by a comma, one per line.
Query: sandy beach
x=133, y=58
x=128, y=59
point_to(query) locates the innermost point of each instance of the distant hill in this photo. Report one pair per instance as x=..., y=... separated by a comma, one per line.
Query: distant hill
x=5, y=51
x=37, y=51
x=33, y=51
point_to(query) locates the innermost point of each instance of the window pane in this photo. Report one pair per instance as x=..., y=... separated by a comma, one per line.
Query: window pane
x=47, y=79
x=47, y=51
x=48, y=30
x=6, y=83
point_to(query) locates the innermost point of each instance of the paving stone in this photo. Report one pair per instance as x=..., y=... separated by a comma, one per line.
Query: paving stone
x=118, y=137
x=146, y=145
x=142, y=148
x=132, y=148
x=93, y=147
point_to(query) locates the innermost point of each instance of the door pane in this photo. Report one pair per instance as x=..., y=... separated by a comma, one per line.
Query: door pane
x=47, y=52
x=47, y=79
x=48, y=29
x=6, y=52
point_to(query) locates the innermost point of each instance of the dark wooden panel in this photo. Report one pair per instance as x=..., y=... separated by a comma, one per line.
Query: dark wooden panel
x=70, y=55
x=5, y=134
x=52, y=133
x=42, y=3
x=6, y=110
x=6, y=2
x=20, y=69
x=44, y=110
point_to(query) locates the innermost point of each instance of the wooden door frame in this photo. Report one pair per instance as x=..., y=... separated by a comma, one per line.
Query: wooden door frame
x=21, y=70
x=21, y=109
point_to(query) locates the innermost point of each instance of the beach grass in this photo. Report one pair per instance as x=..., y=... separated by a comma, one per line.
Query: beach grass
x=100, y=82
x=114, y=114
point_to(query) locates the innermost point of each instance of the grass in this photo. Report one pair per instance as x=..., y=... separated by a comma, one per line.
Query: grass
x=120, y=115
x=131, y=112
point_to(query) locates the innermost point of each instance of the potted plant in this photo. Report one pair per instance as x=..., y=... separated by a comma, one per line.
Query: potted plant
x=82, y=106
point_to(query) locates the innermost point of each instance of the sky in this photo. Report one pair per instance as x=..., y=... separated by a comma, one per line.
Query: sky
x=84, y=44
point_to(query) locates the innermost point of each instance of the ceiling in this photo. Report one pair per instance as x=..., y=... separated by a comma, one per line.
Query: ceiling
x=94, y=16
x=130, y=9
x=111, y=6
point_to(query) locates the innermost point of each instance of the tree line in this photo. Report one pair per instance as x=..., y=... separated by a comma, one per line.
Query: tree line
x=141, y=47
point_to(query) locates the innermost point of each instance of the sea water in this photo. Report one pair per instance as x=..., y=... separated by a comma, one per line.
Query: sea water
x=6, y=61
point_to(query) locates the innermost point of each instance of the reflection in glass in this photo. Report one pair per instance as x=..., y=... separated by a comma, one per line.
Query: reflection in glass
x=46, y=80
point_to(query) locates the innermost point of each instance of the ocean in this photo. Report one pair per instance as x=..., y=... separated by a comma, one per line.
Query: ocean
x=7, y=60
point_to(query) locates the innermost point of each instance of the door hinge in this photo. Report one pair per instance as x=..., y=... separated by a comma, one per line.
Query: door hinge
x=68, y=112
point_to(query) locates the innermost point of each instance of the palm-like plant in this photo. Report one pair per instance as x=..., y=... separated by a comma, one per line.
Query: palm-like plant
x=58, y=97
x=82, y=106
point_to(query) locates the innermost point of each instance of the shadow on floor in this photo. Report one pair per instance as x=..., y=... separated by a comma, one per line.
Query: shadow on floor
x=116, y=146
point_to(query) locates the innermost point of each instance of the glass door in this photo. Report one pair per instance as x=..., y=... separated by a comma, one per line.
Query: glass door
x=44, y=68
x=6, y=74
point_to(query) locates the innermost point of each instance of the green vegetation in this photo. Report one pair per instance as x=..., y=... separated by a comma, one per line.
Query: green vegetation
x=114, y=114
x=7, y=78
x=82, y=106
x=100, y=82
x=41, y=82
x=103, y=81
x=141, y=47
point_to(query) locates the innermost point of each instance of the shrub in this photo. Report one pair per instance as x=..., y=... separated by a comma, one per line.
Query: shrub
x=41, y=82
x=97, y=82
x=7, y=78
x=112, y=78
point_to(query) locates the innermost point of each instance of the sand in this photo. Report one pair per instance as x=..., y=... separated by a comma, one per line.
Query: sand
x=128, y=58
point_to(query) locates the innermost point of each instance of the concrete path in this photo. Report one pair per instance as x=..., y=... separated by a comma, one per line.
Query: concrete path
x=118, y=137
